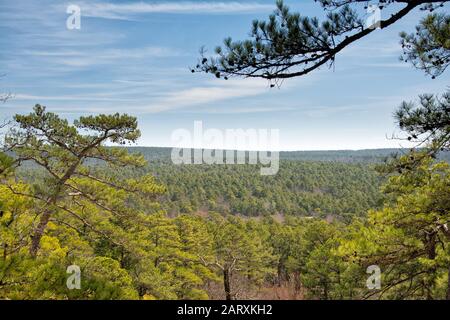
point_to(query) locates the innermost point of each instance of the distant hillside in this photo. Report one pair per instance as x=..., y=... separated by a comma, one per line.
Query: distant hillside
x=158, y=154
x=340, y=184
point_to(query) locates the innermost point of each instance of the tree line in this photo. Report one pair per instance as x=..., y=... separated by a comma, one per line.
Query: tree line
x=127, y=246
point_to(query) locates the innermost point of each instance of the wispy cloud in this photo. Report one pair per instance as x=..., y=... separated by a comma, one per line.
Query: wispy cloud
x=79, y=58
x=208, y=94
x=388, y=65
x=72, y=98
x=126, y=11
x=373, y=49
x=138, y=99
x=243, y=110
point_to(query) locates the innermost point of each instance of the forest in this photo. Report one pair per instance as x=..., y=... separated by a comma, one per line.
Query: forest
x=154, y=230
x=301, y=188
x=85, y=214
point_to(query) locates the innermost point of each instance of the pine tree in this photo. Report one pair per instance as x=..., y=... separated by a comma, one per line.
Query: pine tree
x=290, y=45
x=238, y=249
x=409, y=238
x=428, y=49
x=63, y=152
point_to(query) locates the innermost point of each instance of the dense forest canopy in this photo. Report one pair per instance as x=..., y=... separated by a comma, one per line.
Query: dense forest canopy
x=217, y=232
x=326, y=184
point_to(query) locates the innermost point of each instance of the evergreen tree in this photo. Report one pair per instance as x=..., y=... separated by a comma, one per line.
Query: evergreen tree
x=289, y=45
x=428, y=49
x=409, y=237
x=63, y=152
x=427, y=124
x=238, y=249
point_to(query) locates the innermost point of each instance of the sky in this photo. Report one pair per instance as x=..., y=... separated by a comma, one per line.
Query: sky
x=135, y=57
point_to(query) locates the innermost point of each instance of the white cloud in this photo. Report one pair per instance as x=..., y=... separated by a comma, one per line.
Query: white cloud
x=209, y=94
x=74, y=58
x=243, y=110
x=372, y=49
x=219, y=90
x=385, y=65
x=140, y=100
x=31, y=97
x=127, y=11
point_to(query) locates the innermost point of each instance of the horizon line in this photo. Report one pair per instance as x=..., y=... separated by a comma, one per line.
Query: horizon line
x=296, y=150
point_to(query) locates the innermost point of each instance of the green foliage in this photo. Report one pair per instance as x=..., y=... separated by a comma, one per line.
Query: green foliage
x=286, y=40
x=289, y=45
x=299, y=188
x=304, y=230
x=428, y=126
x=429, y=48
x=409, y=237
x=239, y=246
x=6, y=163
x=429, y=122
x=61, y=150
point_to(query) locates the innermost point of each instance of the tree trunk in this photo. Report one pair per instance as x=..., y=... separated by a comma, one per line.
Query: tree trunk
x=226, y=284
x=280, y=273
x=325, y=290
x=38, y=232
x=297, y=282
x=431, y=245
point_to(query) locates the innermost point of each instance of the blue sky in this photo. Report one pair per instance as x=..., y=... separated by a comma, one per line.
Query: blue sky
x=134, y=57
